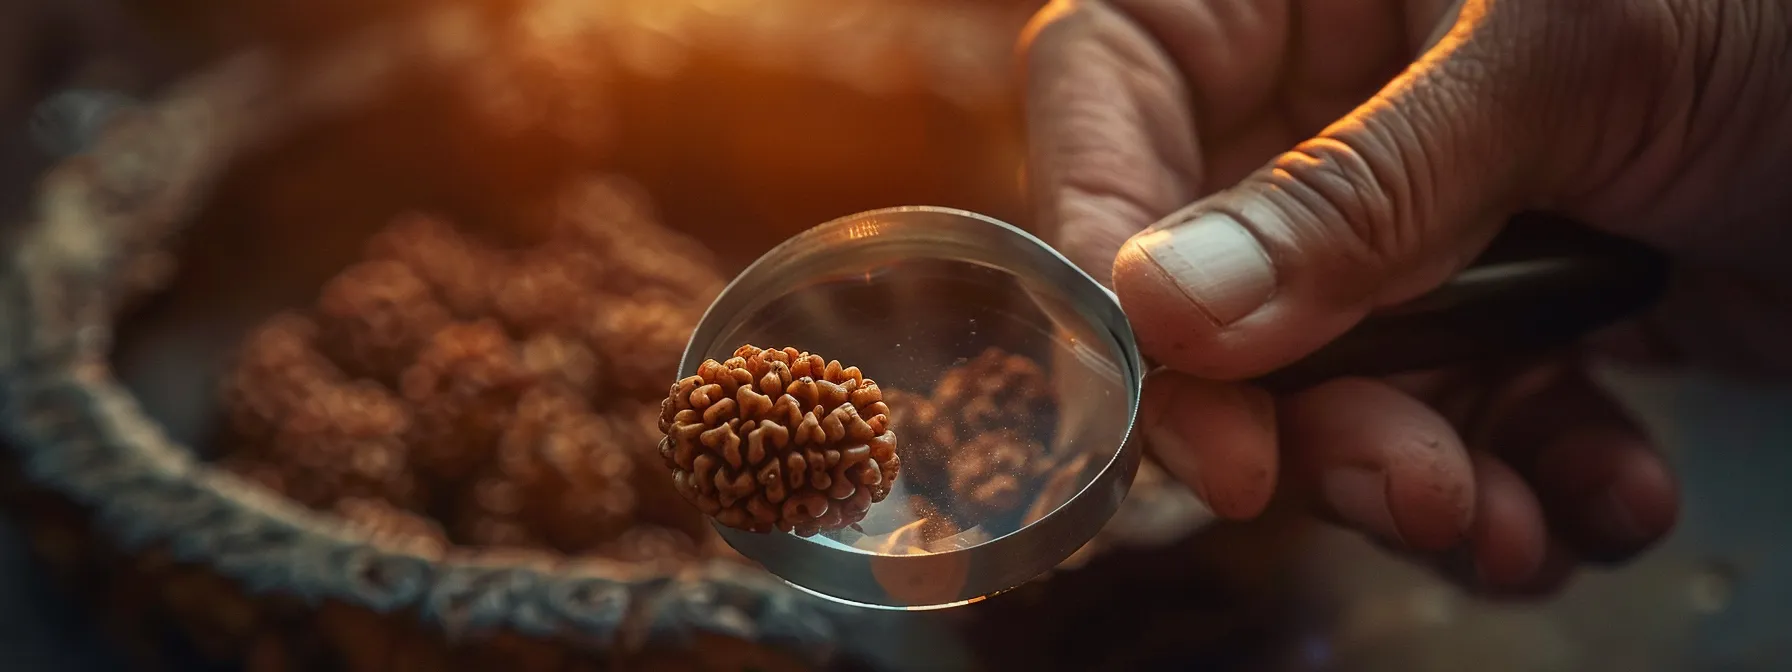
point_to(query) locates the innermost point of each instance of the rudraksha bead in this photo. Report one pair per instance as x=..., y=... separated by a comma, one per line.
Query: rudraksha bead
x=567, y=471
x=277, y=368
x=996, y=390
x=657, y=500
x=614, y=218
x=544, y=289
x=464, y=387
x=390, y=525
x=992, y=472
x=651, y=544
x=989, y=422
x=530, y=379
x=346, y=441
x=475, y=526
x=551, y=357
x=641, y=341
x=373, y=317
x=779, y=440
x=462, y=272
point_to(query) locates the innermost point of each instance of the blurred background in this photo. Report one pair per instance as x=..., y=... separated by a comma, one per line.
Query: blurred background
x=745, y=122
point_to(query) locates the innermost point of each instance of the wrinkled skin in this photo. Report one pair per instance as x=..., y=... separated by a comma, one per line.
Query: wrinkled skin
x=1371, y=148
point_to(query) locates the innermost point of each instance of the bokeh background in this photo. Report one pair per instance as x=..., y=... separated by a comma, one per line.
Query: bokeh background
x=749, y=121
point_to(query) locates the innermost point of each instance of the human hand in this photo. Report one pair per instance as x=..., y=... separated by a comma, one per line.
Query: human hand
x=1346, y=155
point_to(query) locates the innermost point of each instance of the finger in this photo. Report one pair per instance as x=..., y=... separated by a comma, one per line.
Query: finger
x=1219, y=438
x=1342, y=51
x=1233, y=53
x=1605, y=490
x=1558, y=567
x=1382, y=205
x=1111, y=143
x=1509, y=539
x=1380, y=461
x=1298, y=65
x=1609, y=493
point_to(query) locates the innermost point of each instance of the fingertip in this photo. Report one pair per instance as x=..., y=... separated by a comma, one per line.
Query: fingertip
x=1509, y=538
x=1204, y=298
x=1168, y=326
x=1048, y=15
x=1111, y=145
x=1647, y=489
x=1381, y=461
x=1558, y=568
x=1218, y=438
x=1611, y=493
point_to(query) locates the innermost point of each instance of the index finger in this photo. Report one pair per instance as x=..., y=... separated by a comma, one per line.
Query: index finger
x=1112, y=143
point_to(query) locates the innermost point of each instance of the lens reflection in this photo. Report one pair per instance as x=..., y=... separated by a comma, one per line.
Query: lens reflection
x=983, y=372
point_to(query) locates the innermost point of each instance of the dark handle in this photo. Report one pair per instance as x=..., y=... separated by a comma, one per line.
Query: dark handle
x=1544, y=282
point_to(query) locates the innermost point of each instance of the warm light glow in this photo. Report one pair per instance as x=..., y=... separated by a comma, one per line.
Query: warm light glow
x=903, y=541
x=727, y=7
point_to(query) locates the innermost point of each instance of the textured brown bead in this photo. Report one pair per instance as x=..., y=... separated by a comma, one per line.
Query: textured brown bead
x=514, y=555
x=561, y=471
x=657, y=500
x=779, y=440
x=464, y=387
x=996, y=390
x=983, y=433
x=373, y=316
x=614, y=218
x=651, y=544
x=551, y=357
x=477, y=527
x=993, y=471
x=642, y=341
x=276, y=369
x=525, y=386
x=546, y=289
x=462, y=273
x=916, y=419
x=391, y=526
x=346, y=441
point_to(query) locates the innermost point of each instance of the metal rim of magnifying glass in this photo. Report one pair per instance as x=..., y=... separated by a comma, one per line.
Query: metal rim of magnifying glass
x=863, y=578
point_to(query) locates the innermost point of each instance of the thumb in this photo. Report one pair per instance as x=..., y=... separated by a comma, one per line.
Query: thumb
x=1380, y=207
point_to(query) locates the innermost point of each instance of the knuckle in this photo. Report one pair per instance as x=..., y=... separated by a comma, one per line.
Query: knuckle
x=1054, y=23
x=1595, y=64
x=1042, y=34
x=1356, y=195
x=1615, y=29
x=1643, y=31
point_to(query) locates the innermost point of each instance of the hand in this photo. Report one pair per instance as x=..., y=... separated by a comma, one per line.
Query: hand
x=1345, y=155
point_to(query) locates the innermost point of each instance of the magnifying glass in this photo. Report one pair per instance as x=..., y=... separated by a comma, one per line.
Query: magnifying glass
x=915, y=295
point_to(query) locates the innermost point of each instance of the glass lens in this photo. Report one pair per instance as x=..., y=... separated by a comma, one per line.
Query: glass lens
x=1007, y=397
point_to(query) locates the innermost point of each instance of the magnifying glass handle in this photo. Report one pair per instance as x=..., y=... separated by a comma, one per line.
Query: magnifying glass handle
x=1544, y=282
